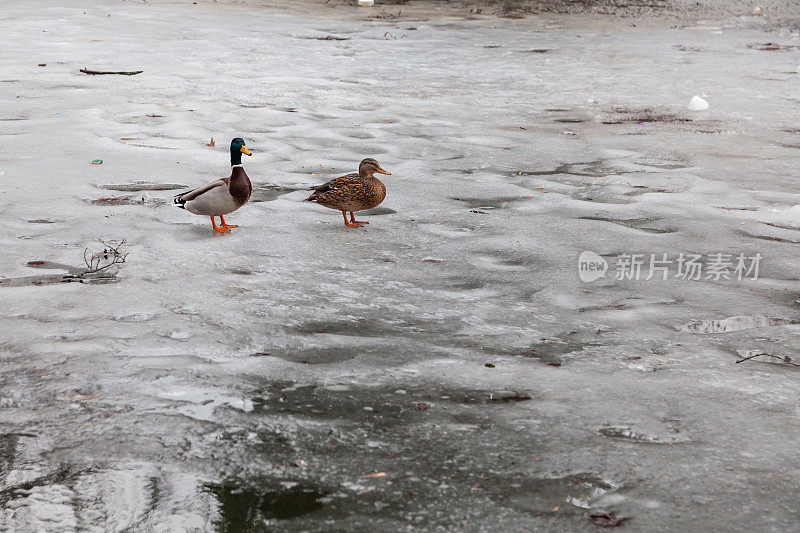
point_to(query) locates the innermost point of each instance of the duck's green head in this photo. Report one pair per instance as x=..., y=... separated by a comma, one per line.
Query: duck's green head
x=237, y=149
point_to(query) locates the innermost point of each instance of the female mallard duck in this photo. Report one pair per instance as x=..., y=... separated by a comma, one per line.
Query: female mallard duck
x=222, y=196
x=353, y=192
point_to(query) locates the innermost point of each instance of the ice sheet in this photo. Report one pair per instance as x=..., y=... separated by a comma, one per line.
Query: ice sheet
x=257, y=370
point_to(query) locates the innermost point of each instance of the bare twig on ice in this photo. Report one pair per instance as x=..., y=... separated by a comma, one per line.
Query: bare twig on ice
x=786, y=359
x=99, y=72
x=110, y=255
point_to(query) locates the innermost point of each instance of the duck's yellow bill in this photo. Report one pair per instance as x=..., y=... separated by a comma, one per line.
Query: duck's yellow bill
x=381, y=171
x=245, y=151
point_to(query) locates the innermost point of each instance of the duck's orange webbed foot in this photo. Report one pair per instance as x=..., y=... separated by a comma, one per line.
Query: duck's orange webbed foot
x=225, y=224
x=222, y=229
x=354, y=221
x=351, y=224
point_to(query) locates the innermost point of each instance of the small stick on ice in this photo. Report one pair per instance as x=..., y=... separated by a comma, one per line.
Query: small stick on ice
x=785, y=359
x=100, y=72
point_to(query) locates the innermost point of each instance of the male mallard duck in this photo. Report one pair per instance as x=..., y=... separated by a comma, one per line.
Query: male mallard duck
x=353, y=192
x=222, y=196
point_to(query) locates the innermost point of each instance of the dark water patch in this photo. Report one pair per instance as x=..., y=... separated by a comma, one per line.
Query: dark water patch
x=551, y=351
x=641, y=116
x=512, y=397
x=603, y=307
x=686, y=48
x=68, y=86
x=267, y=192
x=599, y=198
x=378, y=211
x=746, y=208
x=333, y=29
x=143, y=186
x=321, y=356
x=389, y=405
x=128, y=200
x=663, y=164
x=41, y=221
x=354, y=328
x=537, y=51
x=326, y=38
x=461, y=284
x=635, y=223
x=594, y=169
x=321, y=116
x=356, y=134
x=773, y=47
x=513, y=262
x=99, y=278
x=245, y=509
x=644, y=189
x=52, y=265
x=316, y=402
x=490, y=202
x=570, y=120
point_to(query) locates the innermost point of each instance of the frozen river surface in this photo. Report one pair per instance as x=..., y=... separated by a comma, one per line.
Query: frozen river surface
x=444, y=368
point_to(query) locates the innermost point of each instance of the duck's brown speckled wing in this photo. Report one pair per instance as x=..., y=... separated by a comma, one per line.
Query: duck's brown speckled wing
x=346, y=192
x=336, y=183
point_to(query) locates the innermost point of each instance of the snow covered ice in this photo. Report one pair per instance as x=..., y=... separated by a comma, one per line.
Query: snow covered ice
x=252, y=380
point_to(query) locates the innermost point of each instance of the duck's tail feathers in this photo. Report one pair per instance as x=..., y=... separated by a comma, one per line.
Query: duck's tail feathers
x=179, y=201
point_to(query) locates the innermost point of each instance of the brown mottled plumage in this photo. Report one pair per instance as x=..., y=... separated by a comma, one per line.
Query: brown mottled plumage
x=353, y=192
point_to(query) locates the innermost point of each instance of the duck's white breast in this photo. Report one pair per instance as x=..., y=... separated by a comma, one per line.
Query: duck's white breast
x=217, y=201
